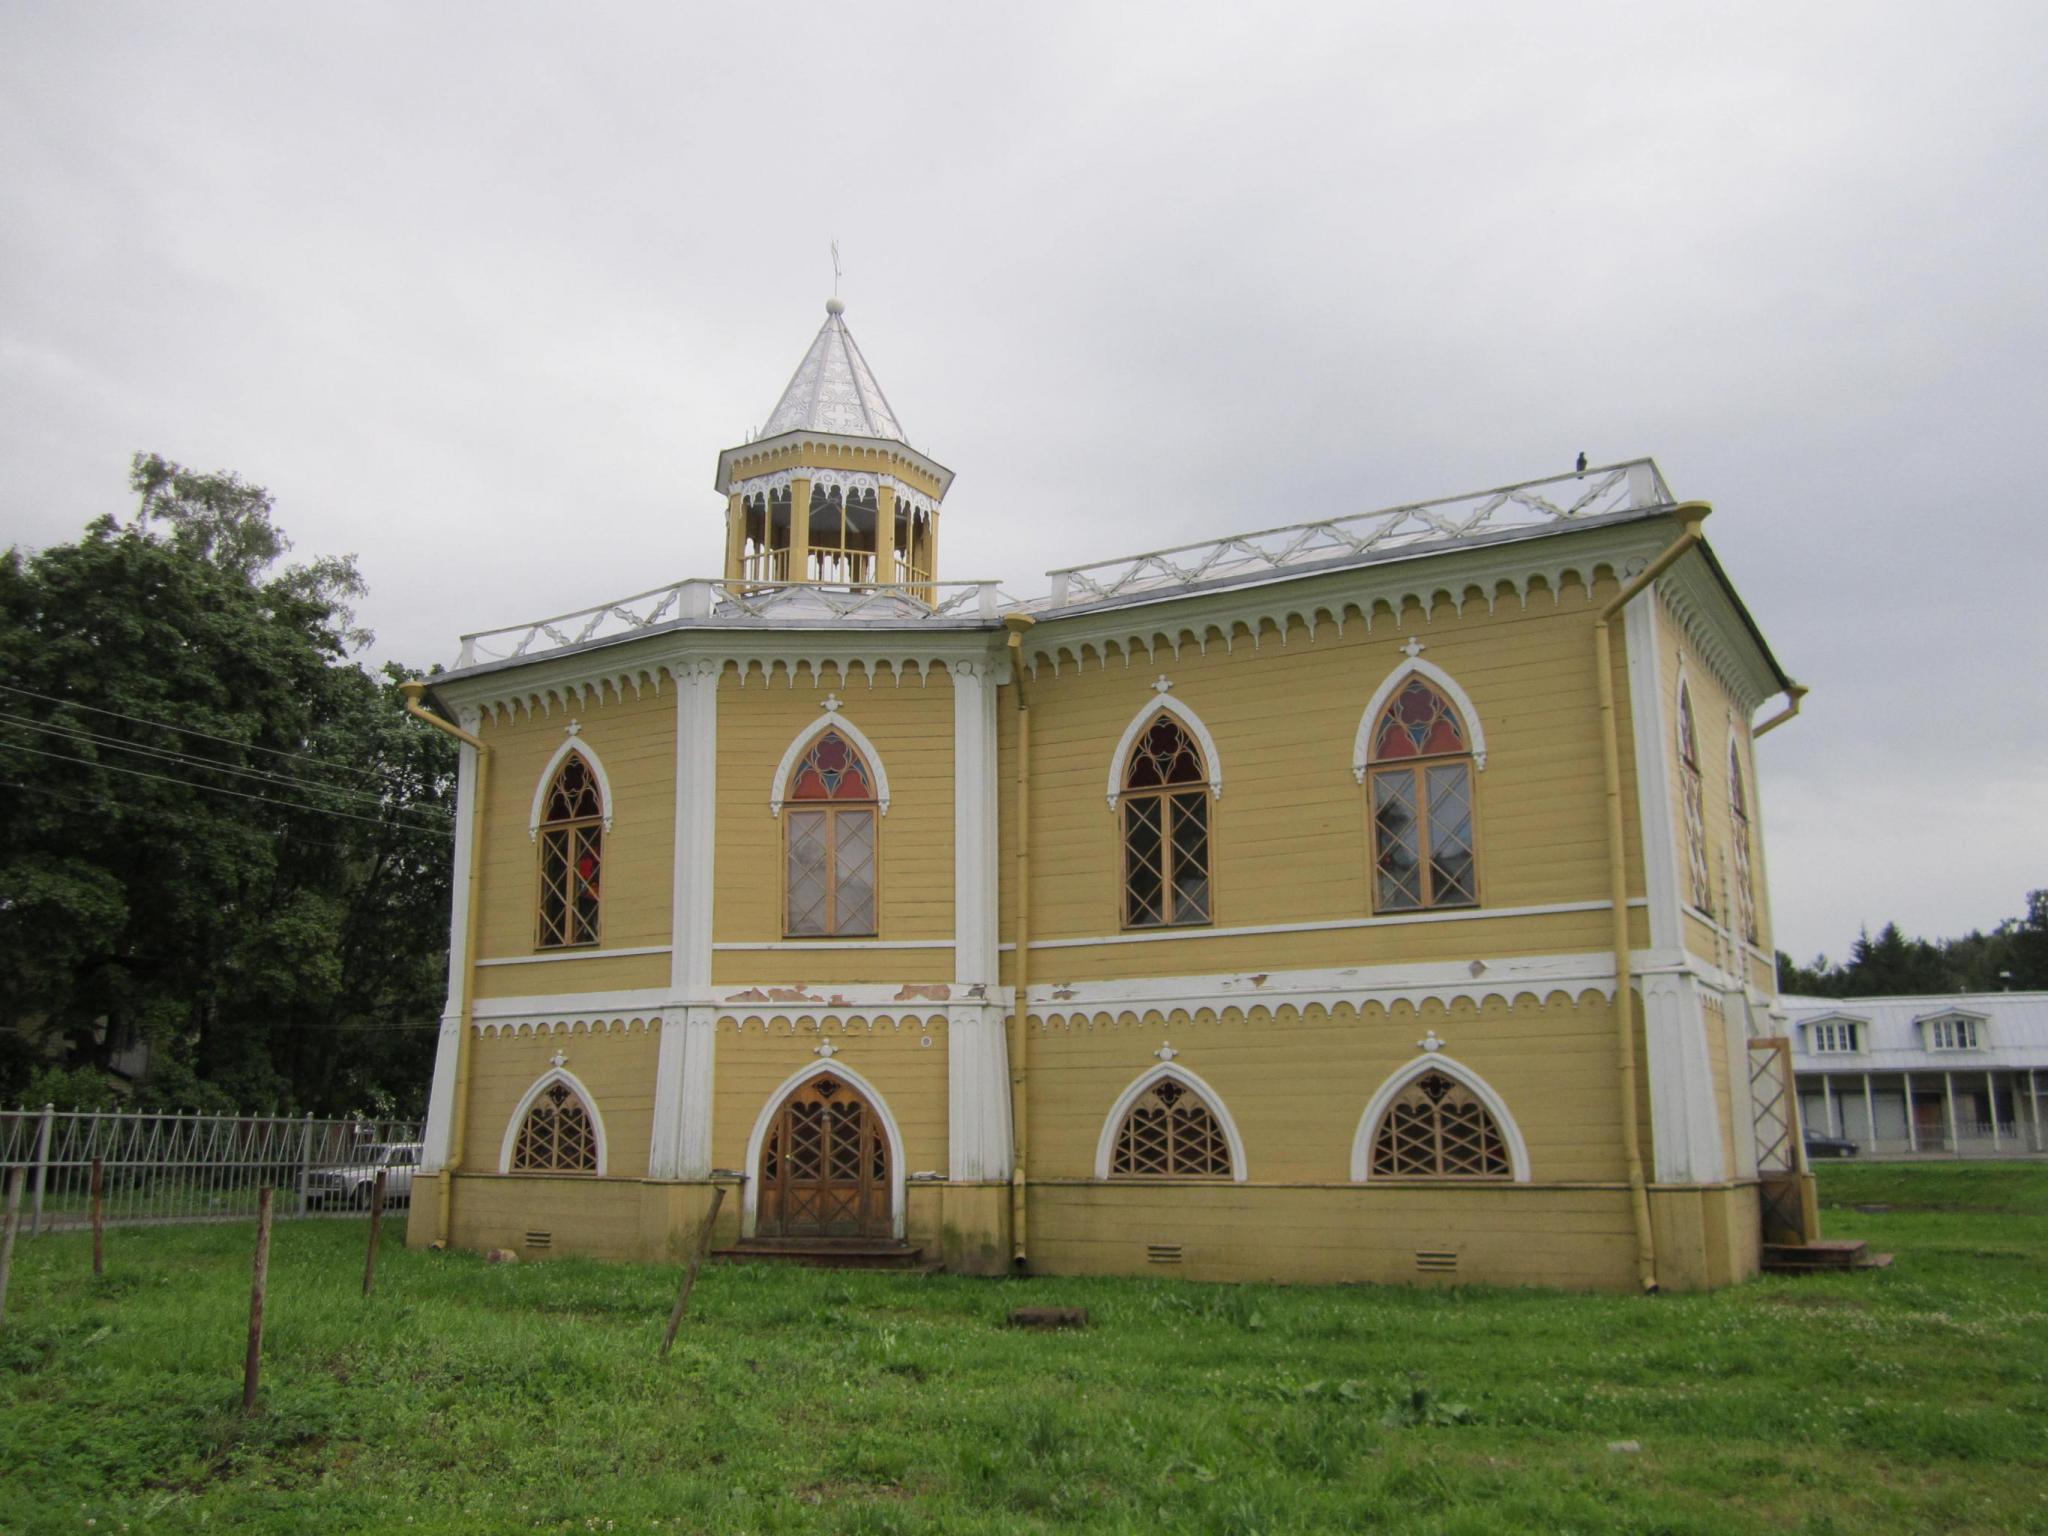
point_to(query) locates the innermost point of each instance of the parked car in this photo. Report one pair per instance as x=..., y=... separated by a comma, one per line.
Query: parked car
x=1828, y=1146
x=349, y=1184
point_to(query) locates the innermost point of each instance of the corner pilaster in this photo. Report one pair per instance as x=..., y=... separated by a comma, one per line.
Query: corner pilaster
x=684, y=1064
x=977, y=1045
x=440, y=1129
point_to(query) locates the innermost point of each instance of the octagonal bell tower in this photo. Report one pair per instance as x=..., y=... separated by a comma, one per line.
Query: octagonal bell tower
x=831, y=491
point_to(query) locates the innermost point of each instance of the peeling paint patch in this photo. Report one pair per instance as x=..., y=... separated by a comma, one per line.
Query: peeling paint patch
x=933, y=992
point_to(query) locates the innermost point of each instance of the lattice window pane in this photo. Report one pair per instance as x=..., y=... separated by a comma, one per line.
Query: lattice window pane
x=556, y=1136
x=1144, y=877
x=1738, y=819
x=1397, y=841
x=1453, y=871
x=1170, y=1132
x=808, y=871
x=571, y=846
x=1437, y=1128
x=853, y=860
x=1188, y=842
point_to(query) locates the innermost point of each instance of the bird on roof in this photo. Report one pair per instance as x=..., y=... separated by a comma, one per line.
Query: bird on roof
x=1582, y=463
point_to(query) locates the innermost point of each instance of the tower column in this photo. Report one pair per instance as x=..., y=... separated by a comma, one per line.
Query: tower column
x=888, y=569
x=799, y=528
x=735, y=537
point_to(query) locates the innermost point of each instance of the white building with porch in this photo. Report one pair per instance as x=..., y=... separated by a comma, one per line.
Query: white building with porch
x=1957, y=1076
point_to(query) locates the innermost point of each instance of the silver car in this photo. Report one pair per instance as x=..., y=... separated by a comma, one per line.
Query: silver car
x=348, y=1185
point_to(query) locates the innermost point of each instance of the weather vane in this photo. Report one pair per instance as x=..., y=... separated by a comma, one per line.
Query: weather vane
x=835, y=269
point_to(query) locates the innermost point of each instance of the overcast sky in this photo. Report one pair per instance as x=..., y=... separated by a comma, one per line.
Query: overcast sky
x=479, y=292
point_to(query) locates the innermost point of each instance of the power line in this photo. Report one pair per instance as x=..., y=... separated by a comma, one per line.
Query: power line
x=214, y=765
x=115, y=805
x=189, y=730
x=218, y=789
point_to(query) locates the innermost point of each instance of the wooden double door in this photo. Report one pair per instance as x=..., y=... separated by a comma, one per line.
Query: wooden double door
x=824, y=1166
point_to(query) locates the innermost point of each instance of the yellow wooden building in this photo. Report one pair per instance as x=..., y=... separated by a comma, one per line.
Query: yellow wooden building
x=1376, y=898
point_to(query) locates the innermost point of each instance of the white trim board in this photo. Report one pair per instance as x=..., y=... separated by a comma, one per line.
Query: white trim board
x=1461, y=915
x=575, y=954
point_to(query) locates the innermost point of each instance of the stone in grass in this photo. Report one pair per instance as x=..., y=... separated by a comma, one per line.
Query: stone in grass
x=1625, y=1447
x=501, y=1256
x=1049, y=1317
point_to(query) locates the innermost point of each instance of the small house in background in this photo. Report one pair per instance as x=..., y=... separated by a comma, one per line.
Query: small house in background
x=1957, y=1076
x=1376, y=896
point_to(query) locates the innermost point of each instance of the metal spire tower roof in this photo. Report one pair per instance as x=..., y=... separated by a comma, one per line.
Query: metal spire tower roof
x=834, y=390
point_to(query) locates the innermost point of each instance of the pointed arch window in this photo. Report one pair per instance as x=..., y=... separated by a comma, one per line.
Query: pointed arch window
x=1699, y=882
x=1738, y=834
x=1437, y=1128
x=558, y=1134
x=1165, y=803
x=829, y=832
x=1424, y=838
x=571, y=838
x=1170, y=1132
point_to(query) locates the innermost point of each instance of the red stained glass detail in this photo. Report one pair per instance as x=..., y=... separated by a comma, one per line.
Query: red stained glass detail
x=1419, y=722
x=831, y=770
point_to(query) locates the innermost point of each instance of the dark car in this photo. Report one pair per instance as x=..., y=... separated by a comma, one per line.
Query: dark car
x=1828, y=1146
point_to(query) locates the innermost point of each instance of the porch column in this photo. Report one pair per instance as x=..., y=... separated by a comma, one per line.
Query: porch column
x=1991, y=1092
x=1827, y=1103
x=681, y=1143
x=977, y=1048
x=1948, y=1098
x=1869, y=1113
x=440, y=1131
x=2034, y=1105
x=1912, y=1132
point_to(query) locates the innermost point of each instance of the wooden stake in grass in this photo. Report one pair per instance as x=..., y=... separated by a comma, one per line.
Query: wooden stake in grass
x=99, y=1217
x=252, y=1366
x=7, y=1238
x=697, y=1253
x=376, y=1231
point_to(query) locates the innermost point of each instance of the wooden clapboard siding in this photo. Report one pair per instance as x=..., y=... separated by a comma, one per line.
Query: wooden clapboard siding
x=1290, y=833
x=911, y=726
x=836, y=965
x=617, y=1066
x=891, y=1054
x=582, y=973
x=635, y=738
x=1297, y=1087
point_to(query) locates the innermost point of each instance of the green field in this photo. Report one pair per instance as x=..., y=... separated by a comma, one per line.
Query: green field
x=527, y=1397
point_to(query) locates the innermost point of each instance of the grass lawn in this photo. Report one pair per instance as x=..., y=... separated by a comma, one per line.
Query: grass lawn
x=470, y=1398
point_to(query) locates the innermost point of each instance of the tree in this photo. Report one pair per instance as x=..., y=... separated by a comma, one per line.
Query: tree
x=221, y=838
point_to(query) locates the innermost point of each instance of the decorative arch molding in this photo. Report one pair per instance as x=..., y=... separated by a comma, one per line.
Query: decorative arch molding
x=1105, y=1144
x=590, y=758
x=1398, y=1081
x=1437, y=677
x=541, y=1084
x=1146, y=714
x=750, y=1189
x=832, y=720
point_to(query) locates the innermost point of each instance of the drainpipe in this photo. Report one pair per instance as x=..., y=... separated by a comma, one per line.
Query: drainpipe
x=1794, y=692
x=412, y=693
x=1691, y=514
x=1020, y=974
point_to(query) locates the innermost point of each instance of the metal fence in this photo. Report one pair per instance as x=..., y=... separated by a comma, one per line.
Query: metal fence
x=160, y=1168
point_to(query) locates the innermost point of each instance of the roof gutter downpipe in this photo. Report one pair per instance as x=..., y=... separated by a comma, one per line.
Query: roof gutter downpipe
x=412, y=693
x=1020, y=975
x=1691, y=514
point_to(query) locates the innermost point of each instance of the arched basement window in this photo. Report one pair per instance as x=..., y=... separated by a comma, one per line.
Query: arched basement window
x=1170, y=1132
x=1738, y=833
x=571, y=836
x=1437, y=1128
x=1699, y=883
x=829, y=843
x=557, y=1135
x=1424, y=847
x=1166, y=829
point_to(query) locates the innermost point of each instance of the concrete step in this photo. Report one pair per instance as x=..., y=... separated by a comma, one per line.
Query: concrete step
x=828, y=1253
x=1810, y=1258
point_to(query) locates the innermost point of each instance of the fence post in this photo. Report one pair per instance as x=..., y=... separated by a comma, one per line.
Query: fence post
x=252, y=1363
x=99, y=1217
x=7, y=1236
x=697, y=1251
x=305, y=1159
x=35, y=1226
x=376, y=1231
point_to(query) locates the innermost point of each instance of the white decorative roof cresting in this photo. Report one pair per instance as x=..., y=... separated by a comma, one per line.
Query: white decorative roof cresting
x=834, y=390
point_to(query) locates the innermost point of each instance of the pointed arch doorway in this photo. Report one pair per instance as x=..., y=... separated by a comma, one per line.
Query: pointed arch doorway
x=824, y=1168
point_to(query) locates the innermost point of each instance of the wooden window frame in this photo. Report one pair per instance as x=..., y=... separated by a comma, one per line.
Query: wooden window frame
x=1692, y=792
x=1500, y=1144
x=1218, y=1135
x=590, y=1136
x=1127, y=798
x=1417, y=769
x=872, y=807
x=571, y=830
x=1828, y=1033
x=1747, y=926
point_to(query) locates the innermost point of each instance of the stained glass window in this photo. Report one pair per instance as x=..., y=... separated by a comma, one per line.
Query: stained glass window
x=571, y=856
x=1423, y=829
x=556, y=1136
x=829, y=843
x=1166, y=829
x=1699, y=881
x=1738, y=835
x=1438, y=1129
x=1170, y=1132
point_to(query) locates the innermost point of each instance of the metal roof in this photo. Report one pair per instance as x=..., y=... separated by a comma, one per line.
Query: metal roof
x=2014, y=1032
x=834, y=390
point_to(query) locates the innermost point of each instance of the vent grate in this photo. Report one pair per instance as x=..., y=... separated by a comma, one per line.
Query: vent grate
x=1162, y=1253
x=1436, y=1261
x=540, y=1239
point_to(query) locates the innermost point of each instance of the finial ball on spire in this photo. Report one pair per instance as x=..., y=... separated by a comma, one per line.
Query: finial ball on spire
x=834, y=307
